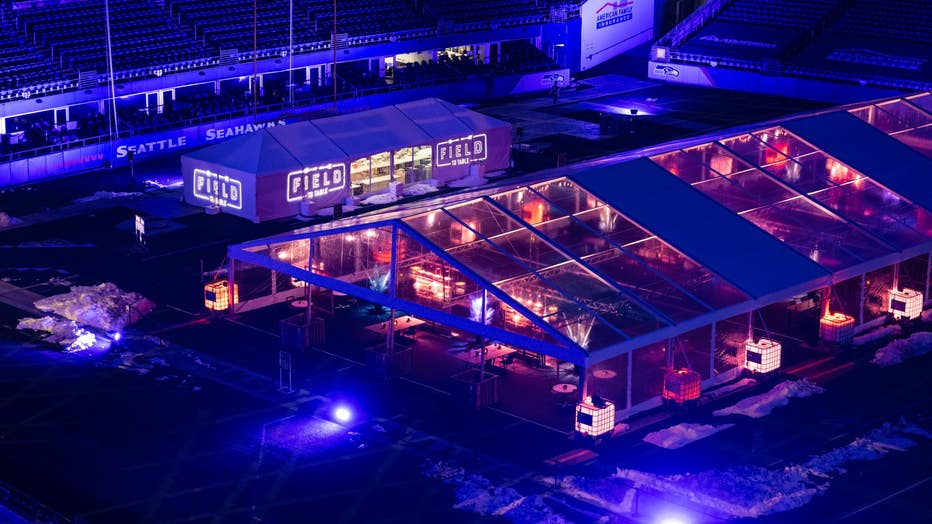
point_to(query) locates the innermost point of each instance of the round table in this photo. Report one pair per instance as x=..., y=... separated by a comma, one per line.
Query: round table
x=603, y=373
x=564, y=388
x=299, y=303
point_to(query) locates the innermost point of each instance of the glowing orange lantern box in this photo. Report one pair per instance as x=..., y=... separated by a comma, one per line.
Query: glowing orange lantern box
x=905, y=304
x=595, y=417
x=762, y=356
x=217, y=295
x=682, y=385
x=837, y=328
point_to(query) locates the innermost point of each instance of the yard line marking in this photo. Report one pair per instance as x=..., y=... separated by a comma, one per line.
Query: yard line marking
x=835, y=369
x=888, y=497
x=804, y=367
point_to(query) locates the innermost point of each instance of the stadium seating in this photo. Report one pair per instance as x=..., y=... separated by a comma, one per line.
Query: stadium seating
x=22, y=64
x=74, y=34
x=458, y=11
x=857, y=41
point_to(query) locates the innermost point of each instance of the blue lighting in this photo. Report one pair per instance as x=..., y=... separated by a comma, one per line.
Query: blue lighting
x=672, y=520
x=117, y=336
x=342, y=414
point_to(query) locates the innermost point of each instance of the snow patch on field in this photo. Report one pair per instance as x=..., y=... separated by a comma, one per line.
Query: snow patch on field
x=380, y=199
x=477, y=494
x=897, y=351
x=7, y=221
x=104, y=306
x=418, y=189
x=472, y=180
x=724, y=390
x=680, y=435
x=761, y=405
x=106, y=195
x=878, y=334
x=65, y=333
x=753, y=491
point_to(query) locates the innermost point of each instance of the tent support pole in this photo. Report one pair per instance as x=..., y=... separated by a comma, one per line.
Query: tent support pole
x=628, y=379
x=712, y=352
x=861, y=299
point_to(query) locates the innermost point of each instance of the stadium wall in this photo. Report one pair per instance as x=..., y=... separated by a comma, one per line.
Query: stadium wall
x=754, y=81
x=156, y=145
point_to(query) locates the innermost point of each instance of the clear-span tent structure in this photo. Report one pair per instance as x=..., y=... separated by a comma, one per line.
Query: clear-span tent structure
x=606, y=263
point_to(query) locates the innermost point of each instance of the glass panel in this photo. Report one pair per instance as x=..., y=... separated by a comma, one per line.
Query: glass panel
x=563, y=273
x=810, y=172
x=646, y=285
x=422, y=164
x=919, y=139
x=924, y=101
x=694, y=278
x=825, y=239
x=572, y=199
x=649, y=365
x=359, y=257
x=427, y=279
x=567, y=196
x=906, y=114
x=880, y=212
x=783, y=141
x=381, y=172
x=730, y=336
x=509, y=235
x=359, y=176
x=640, y=246
x=701, y=162
x=403, y=163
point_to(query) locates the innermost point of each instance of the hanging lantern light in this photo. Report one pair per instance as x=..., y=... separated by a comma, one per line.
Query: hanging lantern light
x=595, y=416
x=763, y=356
x=217, y=295
x=837, y=328
x=682, y=385
x=905, y=304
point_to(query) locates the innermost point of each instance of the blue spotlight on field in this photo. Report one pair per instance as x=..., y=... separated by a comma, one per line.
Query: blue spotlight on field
x=342, y=414
x=117, y=336
x=672, y=520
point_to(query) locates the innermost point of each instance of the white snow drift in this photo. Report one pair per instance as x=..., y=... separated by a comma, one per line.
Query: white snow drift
x=104, y=306
x=752, y=491
x=477, y=494
x=679, y=435
x=761, y=405
x=899, y=350
x=65, y=333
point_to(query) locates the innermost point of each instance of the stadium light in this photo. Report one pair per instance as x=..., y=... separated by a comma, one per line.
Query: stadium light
x=342, y=414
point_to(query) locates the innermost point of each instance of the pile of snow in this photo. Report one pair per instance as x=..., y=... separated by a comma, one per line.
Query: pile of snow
x=679, y=435
x=761, y=405
x=724, y=390
x=328, y=211
x=878, y=334
x=473, y=180
x=65, y=333
x=899, y=350
x=104, y=306
x=475, y=493
x=753, y=491
x=418, y=189
x=105, y=195
x=381, y=198
x=7, y=221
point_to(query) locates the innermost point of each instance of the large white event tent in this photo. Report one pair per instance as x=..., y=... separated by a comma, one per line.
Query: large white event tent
x=269, y=173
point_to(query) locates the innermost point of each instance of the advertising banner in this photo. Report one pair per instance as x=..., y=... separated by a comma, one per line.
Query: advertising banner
x=610, y=28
